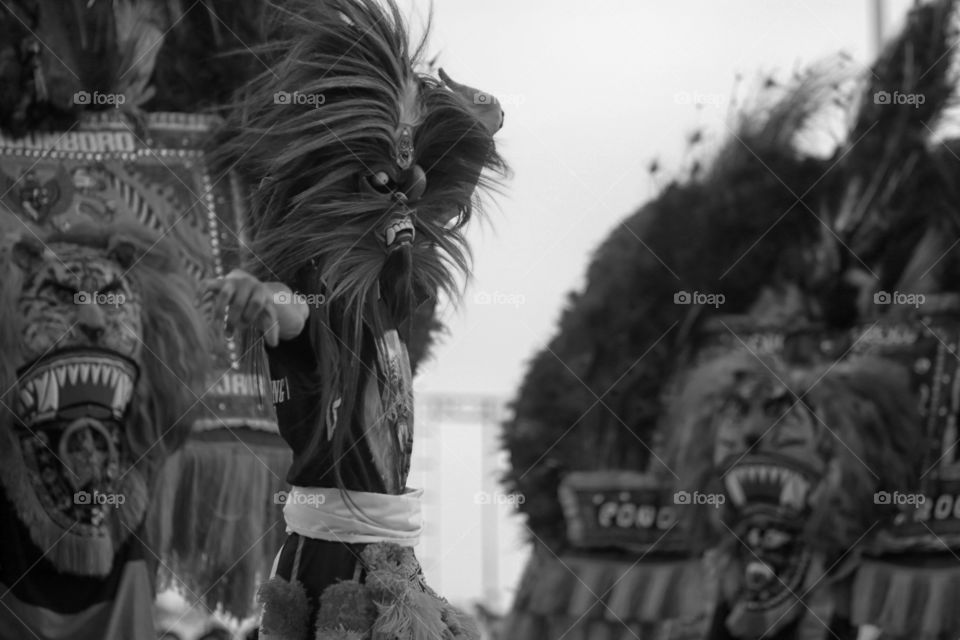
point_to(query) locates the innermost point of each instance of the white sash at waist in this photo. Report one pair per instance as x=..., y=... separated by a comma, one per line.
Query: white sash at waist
x=324, y=514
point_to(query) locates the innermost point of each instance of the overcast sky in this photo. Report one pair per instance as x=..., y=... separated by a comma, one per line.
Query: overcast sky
x=593, y=92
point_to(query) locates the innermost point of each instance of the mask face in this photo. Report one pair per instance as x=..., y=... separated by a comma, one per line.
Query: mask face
x=68, y=468
x=73, y=296
x=794, y=449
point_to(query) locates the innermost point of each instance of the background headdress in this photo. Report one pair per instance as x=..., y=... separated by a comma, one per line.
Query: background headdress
x=788, y=236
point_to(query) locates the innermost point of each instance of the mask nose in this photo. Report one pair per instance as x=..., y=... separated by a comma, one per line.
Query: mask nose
x=90, y=320
x=412, y=183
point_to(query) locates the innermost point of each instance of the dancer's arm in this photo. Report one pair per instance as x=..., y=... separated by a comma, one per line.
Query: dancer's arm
x=269, y=307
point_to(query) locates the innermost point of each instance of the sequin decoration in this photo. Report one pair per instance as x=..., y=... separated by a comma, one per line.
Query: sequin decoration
x=405, y=147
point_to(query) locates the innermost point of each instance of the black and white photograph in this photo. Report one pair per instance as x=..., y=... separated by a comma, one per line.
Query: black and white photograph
x=462, y=320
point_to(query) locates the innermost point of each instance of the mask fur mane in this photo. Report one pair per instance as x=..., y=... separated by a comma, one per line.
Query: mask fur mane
x=310, y=224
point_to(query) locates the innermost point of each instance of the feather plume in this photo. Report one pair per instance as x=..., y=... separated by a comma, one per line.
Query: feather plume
x=597, y=384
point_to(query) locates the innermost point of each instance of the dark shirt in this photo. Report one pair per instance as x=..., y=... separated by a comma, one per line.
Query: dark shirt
x=297, y=395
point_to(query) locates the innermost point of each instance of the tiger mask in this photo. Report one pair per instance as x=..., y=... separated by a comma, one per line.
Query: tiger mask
x=793, y=454
x=107, y=352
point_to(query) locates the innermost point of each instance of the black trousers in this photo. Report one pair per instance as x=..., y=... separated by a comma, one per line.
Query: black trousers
x=317, y=564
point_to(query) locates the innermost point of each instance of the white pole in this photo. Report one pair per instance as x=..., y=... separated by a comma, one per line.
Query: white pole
x=490, y=554
x=877, y=25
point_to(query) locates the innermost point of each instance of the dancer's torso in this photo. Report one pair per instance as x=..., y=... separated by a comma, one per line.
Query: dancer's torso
x=376, y=457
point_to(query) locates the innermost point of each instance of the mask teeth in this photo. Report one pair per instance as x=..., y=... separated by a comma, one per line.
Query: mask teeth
x=395, y=228
x=735, y=489
x=122, y=395
x=49, y=399
x=42, y=394
x=28, y=396
x=794, y=492
x=794, y=488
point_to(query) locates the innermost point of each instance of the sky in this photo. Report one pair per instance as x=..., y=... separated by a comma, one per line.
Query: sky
x=593, y=92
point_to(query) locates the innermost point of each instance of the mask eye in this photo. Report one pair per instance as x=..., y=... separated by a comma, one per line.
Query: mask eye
x=381, y=182
x=59, y=290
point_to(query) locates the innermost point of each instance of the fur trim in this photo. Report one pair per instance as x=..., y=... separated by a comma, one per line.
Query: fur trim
x=346, y=605
x=412, y=615
x=461, y=625
x=392, y=603
x=286, y=610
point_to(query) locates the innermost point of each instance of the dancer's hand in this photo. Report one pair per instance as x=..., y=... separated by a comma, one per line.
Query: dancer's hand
x=268, y=307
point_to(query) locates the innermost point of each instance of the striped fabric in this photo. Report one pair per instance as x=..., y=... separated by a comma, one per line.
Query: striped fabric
x=593, y=597
x=915, y=598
